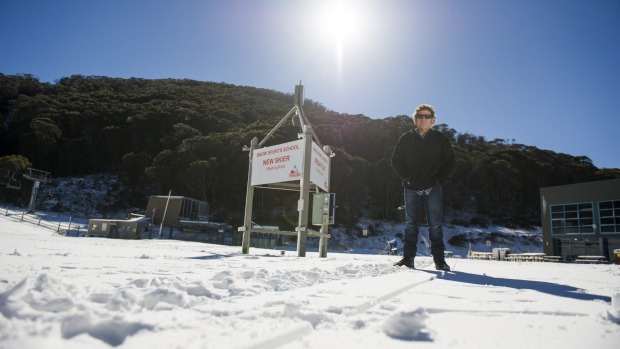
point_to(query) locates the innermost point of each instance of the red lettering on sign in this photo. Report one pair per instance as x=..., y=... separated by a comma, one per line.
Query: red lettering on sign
x=283, y=158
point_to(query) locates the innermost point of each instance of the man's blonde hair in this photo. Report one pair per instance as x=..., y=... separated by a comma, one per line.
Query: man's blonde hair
x=425, y=107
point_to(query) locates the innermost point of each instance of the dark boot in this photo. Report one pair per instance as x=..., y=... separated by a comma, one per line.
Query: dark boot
x=406, y=261
x=442, y=265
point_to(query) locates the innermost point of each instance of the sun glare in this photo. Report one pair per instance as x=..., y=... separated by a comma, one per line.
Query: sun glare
x=339, y=21
x=340, y=25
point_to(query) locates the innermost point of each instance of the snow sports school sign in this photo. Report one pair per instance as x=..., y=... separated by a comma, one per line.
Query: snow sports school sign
x=284, y=162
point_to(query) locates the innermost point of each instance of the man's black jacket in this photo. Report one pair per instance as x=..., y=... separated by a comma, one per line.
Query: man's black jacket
x=425, y=161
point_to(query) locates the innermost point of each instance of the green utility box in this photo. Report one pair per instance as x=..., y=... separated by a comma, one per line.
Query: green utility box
x=323, y=208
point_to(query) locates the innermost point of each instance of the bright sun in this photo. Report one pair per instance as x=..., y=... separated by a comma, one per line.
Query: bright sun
x=340, y=21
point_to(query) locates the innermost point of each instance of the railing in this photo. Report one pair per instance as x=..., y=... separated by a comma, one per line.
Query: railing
x=63, y=227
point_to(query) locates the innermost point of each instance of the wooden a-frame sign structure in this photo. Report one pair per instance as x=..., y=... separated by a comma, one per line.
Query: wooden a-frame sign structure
x=302, y=165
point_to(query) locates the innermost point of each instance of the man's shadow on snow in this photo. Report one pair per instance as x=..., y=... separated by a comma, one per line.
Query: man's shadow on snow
x=540, y=286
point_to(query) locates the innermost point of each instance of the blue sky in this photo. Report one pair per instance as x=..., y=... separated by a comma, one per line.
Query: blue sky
x=545, y=73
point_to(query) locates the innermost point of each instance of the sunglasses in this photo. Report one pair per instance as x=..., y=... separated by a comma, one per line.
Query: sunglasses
x=423, y=116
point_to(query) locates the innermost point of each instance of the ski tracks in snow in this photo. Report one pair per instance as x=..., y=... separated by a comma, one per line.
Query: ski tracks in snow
x=317, y=308
x=206, y=299
x=395, y=304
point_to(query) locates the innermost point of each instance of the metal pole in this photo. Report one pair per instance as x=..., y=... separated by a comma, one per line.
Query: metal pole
x=304, y=194
x=325, y=226
x=152, y=223
x=289, y=114
x=249, y=199
x=33, y=196
x=323, y=241
x=161, y=226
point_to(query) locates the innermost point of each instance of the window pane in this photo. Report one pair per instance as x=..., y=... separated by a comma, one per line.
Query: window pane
x=605, y=205
x=573, y=214
x=557, y=208
x=606, y=213
x=559, y=215
x=607, y=221
x=570, y=207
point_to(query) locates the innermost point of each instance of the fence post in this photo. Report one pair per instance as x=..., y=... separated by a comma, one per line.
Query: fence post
x=69, y=227
x=23, y=216
x=39, y=223
x=58, y=230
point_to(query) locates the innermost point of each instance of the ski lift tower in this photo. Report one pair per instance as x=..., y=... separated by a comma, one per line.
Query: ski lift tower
x=38, y=177
x=302, y=165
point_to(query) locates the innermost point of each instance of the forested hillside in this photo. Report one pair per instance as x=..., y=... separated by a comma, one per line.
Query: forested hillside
x=187, y=136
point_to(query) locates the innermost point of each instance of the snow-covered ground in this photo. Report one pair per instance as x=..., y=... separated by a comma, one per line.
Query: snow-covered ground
x=76, y=292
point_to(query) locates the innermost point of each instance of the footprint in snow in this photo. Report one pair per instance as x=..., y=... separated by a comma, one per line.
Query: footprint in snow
x=408, y=325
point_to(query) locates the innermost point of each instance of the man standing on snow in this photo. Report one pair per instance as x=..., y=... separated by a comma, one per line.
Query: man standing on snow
x=424, y=159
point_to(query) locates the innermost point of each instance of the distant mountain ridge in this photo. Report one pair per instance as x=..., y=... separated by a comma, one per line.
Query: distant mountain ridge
x=186, y=136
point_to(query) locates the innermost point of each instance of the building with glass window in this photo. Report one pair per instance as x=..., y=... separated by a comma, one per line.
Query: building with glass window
x=581, y=219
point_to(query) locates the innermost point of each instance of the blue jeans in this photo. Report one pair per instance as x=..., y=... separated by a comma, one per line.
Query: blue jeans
x=433, y=202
